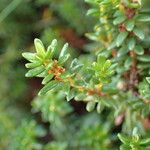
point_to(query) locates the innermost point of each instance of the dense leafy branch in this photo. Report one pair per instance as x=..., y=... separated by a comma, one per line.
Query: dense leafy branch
x=134, y=141
x=71, y=81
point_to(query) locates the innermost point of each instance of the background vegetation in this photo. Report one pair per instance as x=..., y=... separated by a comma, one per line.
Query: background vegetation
x=49, y=122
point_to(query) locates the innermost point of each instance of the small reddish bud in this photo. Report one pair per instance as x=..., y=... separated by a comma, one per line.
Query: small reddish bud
x=121, y=27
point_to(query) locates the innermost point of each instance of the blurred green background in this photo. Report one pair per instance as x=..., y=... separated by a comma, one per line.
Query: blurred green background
x=28, y=122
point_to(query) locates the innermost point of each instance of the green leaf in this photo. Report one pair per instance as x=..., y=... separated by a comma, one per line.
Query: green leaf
x=75, y=65
x=63, y=59
x=101, y=60
x=51, y=85
x=91, y=1
x=70, y=95
x=107, y=64
x=29, y=56
x=92, y=36
x=35, y=71
x=130, y=25
x=134, y=5
x=119, y=20
x=143, y=18
x=120, y=38
x=47, y=78
x=135, y=131
x=108, y=103
x=143, y=65
x=136, y=106
x=112, y=45
x=99, y=107
x=80, y=96
x=117, y=13
x=145, y=141
x=128, y=63
x=39, y=47
x=66, y=74
x=63, y=51
x=139, y=33
x=122, y=51
x=125, y=147
x=90, y=106
x=33, y=65
x=77, y=68
x=113, y=66
x=66, y=88
x=131, y=43
x=148, y=79
x=42, y=74
x=93, y=12
x=139, y=50
x=51, y=49
x=123, y=138
x=144, y=58
x=110, y=73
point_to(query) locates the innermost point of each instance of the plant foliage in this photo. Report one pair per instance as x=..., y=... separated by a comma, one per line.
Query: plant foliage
x=95, y=81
